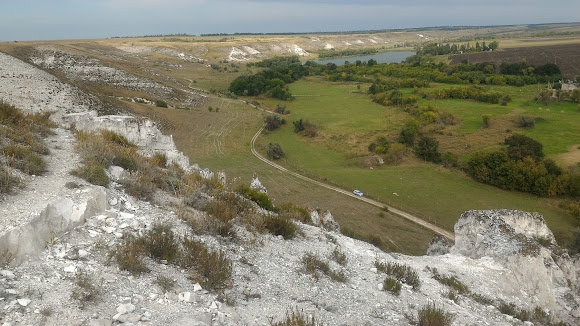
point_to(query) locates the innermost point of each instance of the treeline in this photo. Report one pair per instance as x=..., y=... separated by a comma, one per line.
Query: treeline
x=447, y=48
x=473, y=92
x=272, y=81
x=323, y=54
x=521, y=166
x=416, y=72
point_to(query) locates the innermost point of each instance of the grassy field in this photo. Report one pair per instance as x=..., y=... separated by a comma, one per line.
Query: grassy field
x=349, y=121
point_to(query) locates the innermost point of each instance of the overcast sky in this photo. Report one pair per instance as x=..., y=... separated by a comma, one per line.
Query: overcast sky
x=73, y=19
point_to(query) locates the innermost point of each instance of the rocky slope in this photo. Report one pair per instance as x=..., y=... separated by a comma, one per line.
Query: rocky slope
x=61, y=240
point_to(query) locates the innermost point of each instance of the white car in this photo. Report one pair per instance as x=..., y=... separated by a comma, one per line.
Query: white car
x=358, y=193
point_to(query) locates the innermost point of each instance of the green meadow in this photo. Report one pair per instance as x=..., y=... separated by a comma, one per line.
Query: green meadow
x=348, y=121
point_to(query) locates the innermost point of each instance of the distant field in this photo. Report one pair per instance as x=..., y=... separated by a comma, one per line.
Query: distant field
x=566, y=56
x=349, y=121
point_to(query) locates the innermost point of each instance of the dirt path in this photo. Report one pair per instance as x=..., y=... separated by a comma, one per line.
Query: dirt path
x=393, y=210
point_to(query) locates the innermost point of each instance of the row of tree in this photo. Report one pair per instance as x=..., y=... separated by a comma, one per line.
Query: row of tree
x=452, y=48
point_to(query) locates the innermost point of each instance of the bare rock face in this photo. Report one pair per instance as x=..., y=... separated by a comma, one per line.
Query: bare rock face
x=523, y=244
x=257, y=185
x=500, y=233
x=58, y=217
x=324, y=220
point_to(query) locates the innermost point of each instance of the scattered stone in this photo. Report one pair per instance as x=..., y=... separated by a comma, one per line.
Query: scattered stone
x=24, y=302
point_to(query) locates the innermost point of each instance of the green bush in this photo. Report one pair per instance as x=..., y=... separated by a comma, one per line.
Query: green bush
x=129, y=256
x=161, y=104
x=428, y=149
x=274, y=121
x=313, y=265
x=274, y=151
x=7, y=181
x=400, y=272
x=212, y=269
x=278, y=225
x=431, y=315
x=295, y=317
x=392, y=285
x=256, y=196
x=161, y=244
x=85, y=291
x=93, y=173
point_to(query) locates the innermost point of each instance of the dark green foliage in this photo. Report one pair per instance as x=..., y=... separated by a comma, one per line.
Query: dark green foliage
x=452, y=282
x=274, y=121
x=161, y=244
x=379, y=146
x=313, y=265
x=324, y=54
x=298, y=125
x=7, y=181
x=339, y=257
x=129, y=256
x=281, y=109
x=278, y=225
x=473, y=92
x=296, y=318
x=431, y=315
x=85, y=291
x=527, y=122
x=520, y=146
x=428, y=149
x=161, y=104
x=400, y=272
x=212, y=269
x=449, y=160
x=256, y=196
x=93, y=173
x=392, y=285
x=408, y=133
x=274, y=151
x=486, y=121
x=115, y=138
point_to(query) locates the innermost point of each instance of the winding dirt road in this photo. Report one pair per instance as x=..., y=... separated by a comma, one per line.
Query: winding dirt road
x=393, y=210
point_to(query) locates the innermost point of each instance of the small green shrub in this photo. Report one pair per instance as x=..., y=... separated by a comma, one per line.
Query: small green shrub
x=392, y=285
x=93, y=173
x=139, y=186
x=165, y=283
x=212, y=269
x=274, y=151
x=400, y=272
x=295, y=317
x=278, y=225
x=313, y=265
x=84, y=291
x=339, y=257
x=256, y=196
x=7, y=181
x=129, y=256
x=431, y=315
x=161, y=244
x=161, y=104
x=114, y=138
x=160, y=160
x=481, y=299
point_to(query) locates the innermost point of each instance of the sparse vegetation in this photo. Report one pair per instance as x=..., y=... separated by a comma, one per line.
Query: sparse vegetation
x=431, y=315
x=314, y=266
x=165, y=283
x=339, y=257
x=392, y=285
x=295, y=317
x=85, y=291
x=279, y=225
x=400, y=272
